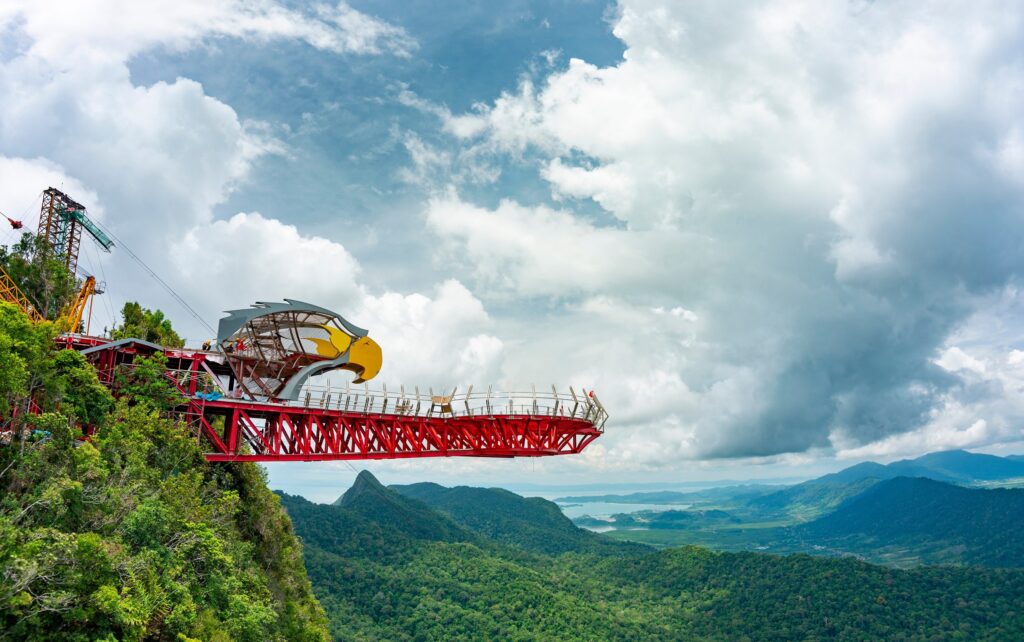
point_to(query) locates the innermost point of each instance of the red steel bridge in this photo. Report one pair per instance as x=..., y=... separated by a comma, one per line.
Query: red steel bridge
x=354, y=421
x=247, y=394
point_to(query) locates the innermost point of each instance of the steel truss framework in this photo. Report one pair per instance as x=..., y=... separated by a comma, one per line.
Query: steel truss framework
x=60, y=230
x=245, y=430
x=270, y=432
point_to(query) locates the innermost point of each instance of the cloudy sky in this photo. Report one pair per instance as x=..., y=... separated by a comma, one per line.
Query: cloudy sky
x=776, y=237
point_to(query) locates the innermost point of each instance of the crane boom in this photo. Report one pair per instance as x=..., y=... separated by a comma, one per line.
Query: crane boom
x=71, y=317
x=94, y=231
x=11, y=293
x=61, y=221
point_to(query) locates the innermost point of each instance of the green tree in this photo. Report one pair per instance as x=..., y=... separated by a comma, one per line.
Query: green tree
x=76, y=390
x=132, y=534
x=151, y=325
x=25, y=349
x=31, y=368
x=41, y=277
x=145, y=382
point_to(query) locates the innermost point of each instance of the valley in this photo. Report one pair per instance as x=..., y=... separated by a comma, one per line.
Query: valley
x=943, y=508
x=424, y=561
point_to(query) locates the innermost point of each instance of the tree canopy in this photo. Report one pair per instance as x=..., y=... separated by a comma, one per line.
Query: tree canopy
x=43, y=279
x=151, y=325
x=130, y=534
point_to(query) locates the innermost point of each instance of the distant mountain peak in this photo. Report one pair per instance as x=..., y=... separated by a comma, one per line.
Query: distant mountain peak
x=364, y=484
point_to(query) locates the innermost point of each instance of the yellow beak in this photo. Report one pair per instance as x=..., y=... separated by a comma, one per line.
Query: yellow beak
x=364, y=359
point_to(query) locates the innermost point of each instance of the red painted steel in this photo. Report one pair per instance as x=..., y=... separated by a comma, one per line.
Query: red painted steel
x=256, y=431
x=265, y=431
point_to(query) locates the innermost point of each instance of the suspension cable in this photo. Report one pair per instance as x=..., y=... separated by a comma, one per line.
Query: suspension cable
x=170, y=290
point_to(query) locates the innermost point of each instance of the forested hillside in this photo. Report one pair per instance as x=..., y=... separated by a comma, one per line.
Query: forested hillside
x=131, y=534
x=386, y=570
x=941, y=522
x=530, y=523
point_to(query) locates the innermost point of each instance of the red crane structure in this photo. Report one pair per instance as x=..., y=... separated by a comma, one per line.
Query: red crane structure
x=248, y=397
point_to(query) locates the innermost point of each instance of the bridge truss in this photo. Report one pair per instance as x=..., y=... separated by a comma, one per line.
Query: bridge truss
x=357, y=422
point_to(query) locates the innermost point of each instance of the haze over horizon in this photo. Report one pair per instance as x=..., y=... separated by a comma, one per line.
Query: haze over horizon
x=777, y=239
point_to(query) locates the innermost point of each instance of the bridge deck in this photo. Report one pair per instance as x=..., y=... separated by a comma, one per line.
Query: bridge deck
x=259, y=431
x=348, y=422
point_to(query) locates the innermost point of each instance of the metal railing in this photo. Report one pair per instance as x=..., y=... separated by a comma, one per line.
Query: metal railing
x=575, y=404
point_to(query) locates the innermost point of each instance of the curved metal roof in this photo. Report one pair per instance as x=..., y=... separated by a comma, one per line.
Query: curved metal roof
x=236, y=319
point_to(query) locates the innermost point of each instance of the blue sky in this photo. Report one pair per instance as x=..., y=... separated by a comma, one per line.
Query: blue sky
x=777, y=238
x=343, y=123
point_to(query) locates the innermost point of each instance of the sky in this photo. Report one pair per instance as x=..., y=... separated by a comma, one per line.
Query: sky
x=777, y=238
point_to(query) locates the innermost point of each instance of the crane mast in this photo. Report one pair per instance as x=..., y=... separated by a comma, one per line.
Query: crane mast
x=61, y=223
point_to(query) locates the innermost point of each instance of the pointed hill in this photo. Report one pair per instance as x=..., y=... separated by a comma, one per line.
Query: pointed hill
x=531, y=523
x=396, y=513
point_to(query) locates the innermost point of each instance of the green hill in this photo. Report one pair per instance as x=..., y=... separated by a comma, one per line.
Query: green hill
x=132, y=534
x=822, y=495
x=531, y=523
x=810, y=499
x=379, y=583
x=368, y=497
x=940, y=521
x=962, y=466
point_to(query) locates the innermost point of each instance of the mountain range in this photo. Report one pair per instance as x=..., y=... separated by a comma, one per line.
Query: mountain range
x=819, y=496
x=937, y=521
x=425, y=562
x=532, y=523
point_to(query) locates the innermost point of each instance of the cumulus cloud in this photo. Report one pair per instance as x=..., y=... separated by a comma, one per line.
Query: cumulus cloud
x=281, y=263
x=539, y=250
x=833, y=193
x=73, y=34
x=156, y=160
x=440, y=341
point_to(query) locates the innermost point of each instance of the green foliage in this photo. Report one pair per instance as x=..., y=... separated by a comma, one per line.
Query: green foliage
x=380, y=580
x=150, y=325
x=80, y=394
x=145, y=382
x=132, y=534
x=531, y=523
x=47, y=283
x=135, y=535
x=24, y=348
x=927, y=519
x=31, y=368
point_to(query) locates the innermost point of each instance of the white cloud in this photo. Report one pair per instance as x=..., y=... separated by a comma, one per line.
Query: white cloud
x=231, y=263
x=438, y=341
x=111, y=31
x=954, y=359
x=157, y=159
x=23, y=204
x=832, y=193
x=538, y=250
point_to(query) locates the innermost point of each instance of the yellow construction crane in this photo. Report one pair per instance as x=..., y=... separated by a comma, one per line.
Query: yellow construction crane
x=61, y=223
x=70, y=318
x=11, y=293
